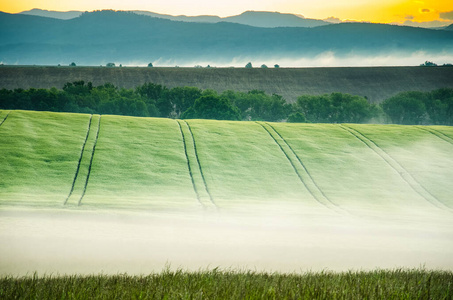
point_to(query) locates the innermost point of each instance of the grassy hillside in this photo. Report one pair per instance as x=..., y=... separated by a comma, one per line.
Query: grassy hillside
x=103, y=194
x=39, y=156
x=99, y=162
x=376, y=83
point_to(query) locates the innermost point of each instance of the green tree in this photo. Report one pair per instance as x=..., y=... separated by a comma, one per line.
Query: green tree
x=297, y=117
x=182, y=98
x=439, y=106
x=335, y=108
x=406, y=108
x=257, y=105
x=249, y=65
x=212, y=107
x=428, y=64
x=155, y=97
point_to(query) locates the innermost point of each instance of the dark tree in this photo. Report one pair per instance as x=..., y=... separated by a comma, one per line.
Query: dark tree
x=406, y=108
x=335, y=108
x=297, y=117
x=212, y=107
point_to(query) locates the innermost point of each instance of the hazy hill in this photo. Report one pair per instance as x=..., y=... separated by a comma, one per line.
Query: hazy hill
x=63, y=15
x=182, y=18
x=99, y=37
x=273, y=19
x=252, y=18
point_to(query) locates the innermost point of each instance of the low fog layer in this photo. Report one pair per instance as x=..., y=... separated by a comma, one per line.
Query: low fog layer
x=324, y=59
x=68, y=242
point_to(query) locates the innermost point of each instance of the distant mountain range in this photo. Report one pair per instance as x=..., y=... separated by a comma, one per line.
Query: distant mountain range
x=63, y=15
x=124, y=37
x=252, y=18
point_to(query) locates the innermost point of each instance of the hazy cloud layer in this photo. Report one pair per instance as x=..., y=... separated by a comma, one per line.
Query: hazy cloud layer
x=429, y=24
x=333, y=20
x=448, y=15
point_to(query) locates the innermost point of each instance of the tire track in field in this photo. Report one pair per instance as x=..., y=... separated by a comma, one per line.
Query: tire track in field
x=199, y=165
x=439, y=134
x=395, y=165
x=91, y=162
x=80, y=160
x=4, y=119
x=309, y=183
x=188, y=163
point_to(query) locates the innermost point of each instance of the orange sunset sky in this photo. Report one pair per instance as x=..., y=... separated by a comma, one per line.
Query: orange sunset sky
x=438, y=12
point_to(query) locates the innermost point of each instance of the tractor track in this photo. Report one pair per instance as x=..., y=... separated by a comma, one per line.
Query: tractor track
x=4, y=119
x=287, y=157
x=437, y=134
x=395, y=165
x=199, y=165
x=80, y=160
x=323, y=200
x=91, y=162
x=188, y=163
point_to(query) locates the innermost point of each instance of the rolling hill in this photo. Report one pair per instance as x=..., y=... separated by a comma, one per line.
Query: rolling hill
x=84, y=194
x=104, y=162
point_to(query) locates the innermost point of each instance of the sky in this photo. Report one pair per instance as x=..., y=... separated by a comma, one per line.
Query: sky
x=409, y=12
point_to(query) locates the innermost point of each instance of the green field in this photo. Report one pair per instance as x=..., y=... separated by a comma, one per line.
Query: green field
x=92, y=162
x=90, y=194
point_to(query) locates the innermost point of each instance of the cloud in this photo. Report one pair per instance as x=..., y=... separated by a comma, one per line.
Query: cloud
x=448, y=15
x=425, y=10
x=409, y=17
x=332, y=20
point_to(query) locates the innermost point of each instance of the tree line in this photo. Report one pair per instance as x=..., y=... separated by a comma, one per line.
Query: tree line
x=155, y=100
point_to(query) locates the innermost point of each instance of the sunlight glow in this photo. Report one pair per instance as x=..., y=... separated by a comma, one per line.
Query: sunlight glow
x=383, y=11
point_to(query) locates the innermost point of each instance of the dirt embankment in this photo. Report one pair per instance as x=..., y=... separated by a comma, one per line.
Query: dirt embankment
x=376, y=83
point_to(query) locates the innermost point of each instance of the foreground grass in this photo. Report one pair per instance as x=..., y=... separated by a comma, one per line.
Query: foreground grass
x=380, y=284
